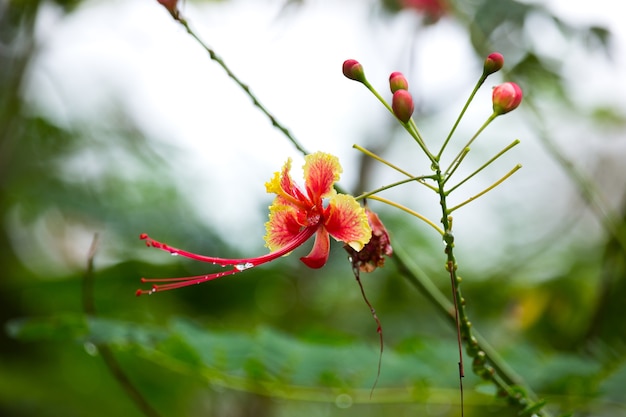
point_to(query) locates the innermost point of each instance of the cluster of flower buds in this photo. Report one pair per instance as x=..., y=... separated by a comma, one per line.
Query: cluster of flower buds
x=506, y=97
x=402, y=101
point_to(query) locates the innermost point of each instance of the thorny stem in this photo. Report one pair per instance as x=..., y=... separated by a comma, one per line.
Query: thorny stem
x=457, y=298
x=246, y=89
x=498, y=372
x=464, y=327
x=108, y=358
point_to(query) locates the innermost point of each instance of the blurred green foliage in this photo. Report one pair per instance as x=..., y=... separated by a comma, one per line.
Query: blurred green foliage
x=283, y=340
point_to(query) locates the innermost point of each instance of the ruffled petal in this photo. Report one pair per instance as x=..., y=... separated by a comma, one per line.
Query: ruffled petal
x=321, y=248
x=346, y=221
x=281, y=181
x=283, y=186
x=282, y=226
x=321, y=171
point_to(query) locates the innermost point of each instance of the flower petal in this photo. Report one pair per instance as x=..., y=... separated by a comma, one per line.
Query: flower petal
x=346, y=221
x=321, y=171
x=321, y=248
x=283, y=186
x=282, y=226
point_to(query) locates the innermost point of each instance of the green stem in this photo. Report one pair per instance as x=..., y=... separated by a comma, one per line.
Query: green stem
x=386, y=187
x=408, y=210
x=420, y=280
x=400, y=170
x=461, y=157
x=498, y=155
x=486, y=190
x=458, y=120
x=457, y=159
x=246, y=89
x=410, y=126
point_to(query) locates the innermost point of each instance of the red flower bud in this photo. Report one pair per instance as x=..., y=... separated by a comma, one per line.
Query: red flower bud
x=397, y=81
x=506, y=97
x=402, y=105
x=493, y=63
x=171, y=6
x=353, y=70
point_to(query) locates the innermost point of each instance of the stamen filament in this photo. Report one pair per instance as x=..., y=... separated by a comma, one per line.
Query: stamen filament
x=304, y=235
x=238, y=265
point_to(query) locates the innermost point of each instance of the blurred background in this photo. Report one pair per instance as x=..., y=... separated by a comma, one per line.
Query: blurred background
x=114, y=122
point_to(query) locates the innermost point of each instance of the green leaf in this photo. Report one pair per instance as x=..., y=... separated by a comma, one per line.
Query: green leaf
x=267, y=361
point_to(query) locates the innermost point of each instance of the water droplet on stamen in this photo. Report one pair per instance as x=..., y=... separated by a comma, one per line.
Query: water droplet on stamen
x=243, y=267
x=174, y=254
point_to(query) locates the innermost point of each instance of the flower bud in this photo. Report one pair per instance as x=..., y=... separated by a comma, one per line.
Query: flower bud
x=493, y=63
x=402, y=105
x=397, y=81
x=353, y=70
x=171, y=6
x=506, y=97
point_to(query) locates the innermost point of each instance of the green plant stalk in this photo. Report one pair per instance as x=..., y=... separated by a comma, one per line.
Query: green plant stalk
x=457, y=160
x=246, y=89
x=486, y=190
x=408, y=210
x=480, y=82
x=388, y=186
x=461, y=157
x=496, y=156
x=479, y=358
x=410, y=126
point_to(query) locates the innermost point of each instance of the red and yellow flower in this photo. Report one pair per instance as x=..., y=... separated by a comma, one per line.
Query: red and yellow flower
x=296, y=215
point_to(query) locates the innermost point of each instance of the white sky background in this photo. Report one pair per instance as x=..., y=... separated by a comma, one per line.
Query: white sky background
x=133, y=52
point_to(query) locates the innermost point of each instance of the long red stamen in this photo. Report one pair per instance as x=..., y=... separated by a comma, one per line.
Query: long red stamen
x=238, y=264
x=173, y=283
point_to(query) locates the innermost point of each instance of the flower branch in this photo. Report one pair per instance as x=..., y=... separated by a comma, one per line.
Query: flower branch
x=170, y=5
x=493, y=63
